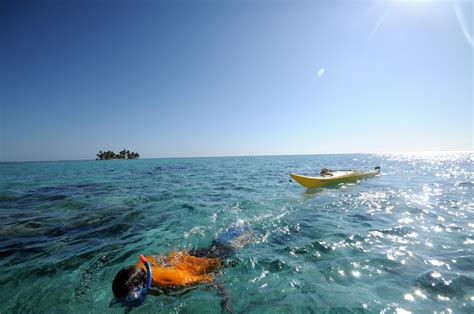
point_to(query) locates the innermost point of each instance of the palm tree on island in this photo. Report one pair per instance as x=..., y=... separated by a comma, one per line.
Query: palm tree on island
x=123, y=154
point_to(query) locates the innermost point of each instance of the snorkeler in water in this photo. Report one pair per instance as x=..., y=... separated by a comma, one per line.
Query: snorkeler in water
x=178, y=269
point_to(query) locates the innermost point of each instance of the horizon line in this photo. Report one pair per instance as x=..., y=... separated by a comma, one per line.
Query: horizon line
x=268, y=155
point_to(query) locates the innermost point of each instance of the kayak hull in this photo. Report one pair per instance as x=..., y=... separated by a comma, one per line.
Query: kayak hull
x=342, y=177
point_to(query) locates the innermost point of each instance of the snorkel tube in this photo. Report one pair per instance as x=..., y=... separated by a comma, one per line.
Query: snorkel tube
x=137, y=296
x=148, y=271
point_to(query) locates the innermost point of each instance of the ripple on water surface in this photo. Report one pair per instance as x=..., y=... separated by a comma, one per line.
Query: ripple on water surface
x=400, y=242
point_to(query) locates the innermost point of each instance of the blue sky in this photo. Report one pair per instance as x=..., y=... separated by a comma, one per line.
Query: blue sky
x=220, y=78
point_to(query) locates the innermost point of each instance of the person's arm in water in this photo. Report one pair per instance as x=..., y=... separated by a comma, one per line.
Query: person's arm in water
x=222, y=291
x=225, y=294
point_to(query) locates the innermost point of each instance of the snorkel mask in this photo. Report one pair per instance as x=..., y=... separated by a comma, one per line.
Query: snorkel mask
x=138, y=295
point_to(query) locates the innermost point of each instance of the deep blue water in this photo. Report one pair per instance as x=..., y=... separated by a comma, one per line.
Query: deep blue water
x=402, y=241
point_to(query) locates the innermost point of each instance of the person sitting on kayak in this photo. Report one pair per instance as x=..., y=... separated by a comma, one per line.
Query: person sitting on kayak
x=180, y=268
x=326, y=172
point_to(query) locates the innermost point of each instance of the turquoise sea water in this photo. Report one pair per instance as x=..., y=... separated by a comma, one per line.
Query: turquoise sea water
x=402, y=241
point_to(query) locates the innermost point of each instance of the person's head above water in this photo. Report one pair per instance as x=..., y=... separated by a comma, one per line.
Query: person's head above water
x=127, y=280
x=131, y=285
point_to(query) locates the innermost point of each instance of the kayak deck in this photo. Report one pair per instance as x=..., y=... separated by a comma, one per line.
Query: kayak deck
x=335, y=177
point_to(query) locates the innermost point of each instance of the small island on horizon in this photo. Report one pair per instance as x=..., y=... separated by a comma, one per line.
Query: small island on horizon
x=123, y=154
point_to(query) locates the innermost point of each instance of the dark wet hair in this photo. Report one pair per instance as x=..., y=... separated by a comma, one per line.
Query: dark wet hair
x=127, y=279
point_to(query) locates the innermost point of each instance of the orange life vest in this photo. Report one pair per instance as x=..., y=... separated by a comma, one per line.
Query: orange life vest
x=181, y=269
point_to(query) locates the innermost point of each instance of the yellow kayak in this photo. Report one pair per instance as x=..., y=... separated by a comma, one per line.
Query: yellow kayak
x=334, y=177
